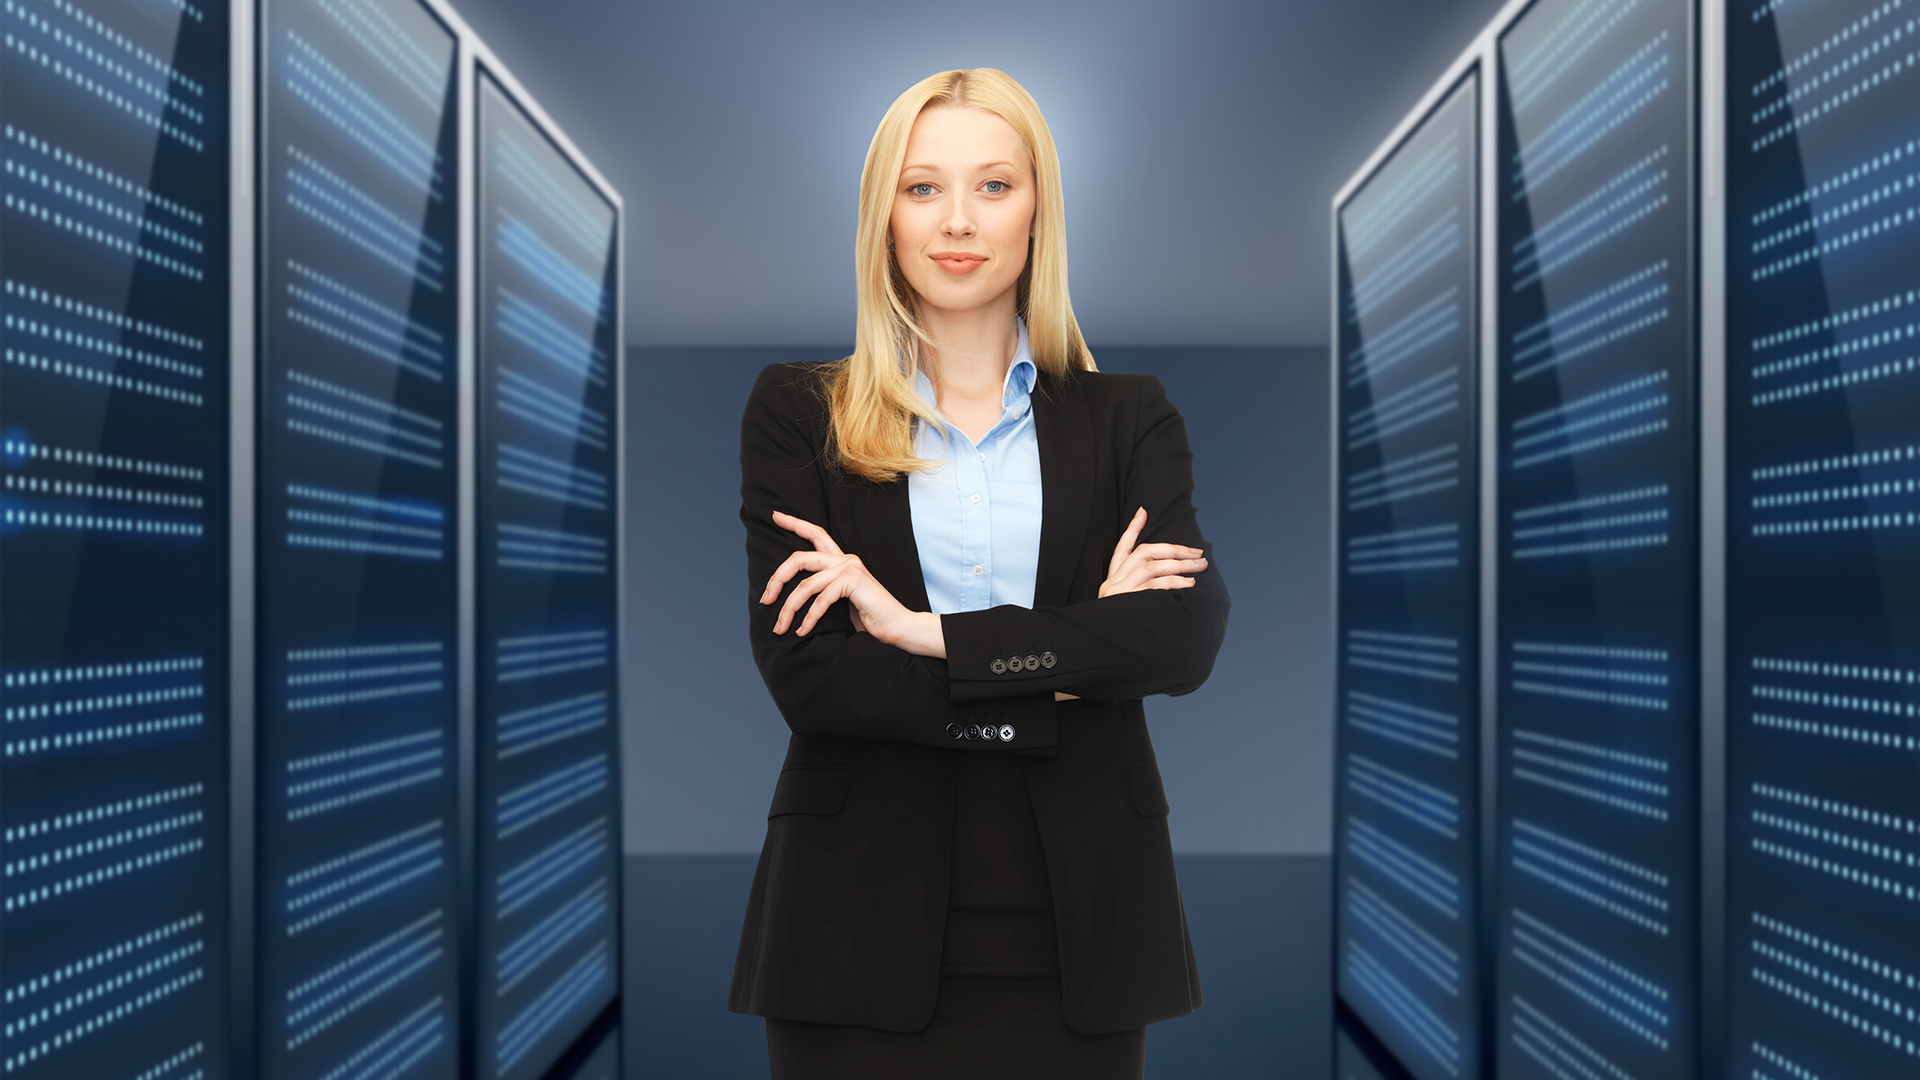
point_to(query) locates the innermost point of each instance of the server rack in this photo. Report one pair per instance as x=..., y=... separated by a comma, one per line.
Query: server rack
x=114, y=400
x=237, y=798
x=356, y=789
x=1596, y=916
x=1407, y=462
x=1822, y=303
x=547, y=544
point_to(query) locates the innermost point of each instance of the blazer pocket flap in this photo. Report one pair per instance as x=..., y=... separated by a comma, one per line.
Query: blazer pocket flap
x=1149, y=795
x=809, y=791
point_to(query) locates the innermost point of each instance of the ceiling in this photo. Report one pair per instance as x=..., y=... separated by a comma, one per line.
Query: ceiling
x=1200, y=141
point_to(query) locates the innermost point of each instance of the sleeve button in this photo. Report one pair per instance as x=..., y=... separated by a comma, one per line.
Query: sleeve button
x=1047, y=659
x=973, y=731
x=1014, y=663
x=955, y=731
x=1033, y=663
x=999, y=666
x=987, y=733
x=1006, y=732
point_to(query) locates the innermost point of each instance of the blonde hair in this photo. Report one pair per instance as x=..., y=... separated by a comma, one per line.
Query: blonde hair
x=870, y=394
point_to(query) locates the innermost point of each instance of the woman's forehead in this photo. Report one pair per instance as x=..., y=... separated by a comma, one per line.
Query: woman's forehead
x=946, y=137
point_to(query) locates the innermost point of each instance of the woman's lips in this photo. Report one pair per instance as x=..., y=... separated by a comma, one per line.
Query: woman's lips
x=959, y=264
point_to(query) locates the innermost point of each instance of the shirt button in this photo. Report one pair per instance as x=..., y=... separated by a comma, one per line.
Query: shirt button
x=976, y=496
x=983, y=457
x=978, y=569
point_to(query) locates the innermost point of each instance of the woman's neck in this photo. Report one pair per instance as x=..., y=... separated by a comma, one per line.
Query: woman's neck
x=976, y=349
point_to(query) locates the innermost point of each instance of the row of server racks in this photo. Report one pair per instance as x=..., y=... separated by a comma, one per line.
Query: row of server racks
x=308, y=551
x=1627, y=501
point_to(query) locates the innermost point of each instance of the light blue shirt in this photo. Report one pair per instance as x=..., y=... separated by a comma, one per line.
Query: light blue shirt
x=976, y=518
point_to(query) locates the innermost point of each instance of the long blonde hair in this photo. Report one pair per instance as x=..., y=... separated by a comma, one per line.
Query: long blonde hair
x=870, y=394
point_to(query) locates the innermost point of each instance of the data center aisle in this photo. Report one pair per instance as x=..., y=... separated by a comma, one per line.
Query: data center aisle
x=1261, y=926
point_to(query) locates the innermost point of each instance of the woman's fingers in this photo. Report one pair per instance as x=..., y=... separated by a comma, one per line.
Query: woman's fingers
x=808, y=531
x=801, y=592
x=1125, y=546
x=796, y=562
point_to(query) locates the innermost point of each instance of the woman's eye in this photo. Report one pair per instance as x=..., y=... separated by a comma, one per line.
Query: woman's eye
x=995, y=187
x=921, y=189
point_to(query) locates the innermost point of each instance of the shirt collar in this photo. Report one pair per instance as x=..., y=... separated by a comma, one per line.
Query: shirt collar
x=1016, y=391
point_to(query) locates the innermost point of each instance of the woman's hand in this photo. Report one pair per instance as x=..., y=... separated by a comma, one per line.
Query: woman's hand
x=1149, y=566
x=837, y=575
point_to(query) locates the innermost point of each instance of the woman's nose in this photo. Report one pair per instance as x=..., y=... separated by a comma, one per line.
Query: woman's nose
x=959, y=220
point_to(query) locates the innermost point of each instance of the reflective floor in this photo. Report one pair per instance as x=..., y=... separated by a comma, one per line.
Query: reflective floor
x=1261, y=931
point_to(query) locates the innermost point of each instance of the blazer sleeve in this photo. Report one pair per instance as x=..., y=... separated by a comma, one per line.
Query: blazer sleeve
x=1130, y=645
x=834, y=681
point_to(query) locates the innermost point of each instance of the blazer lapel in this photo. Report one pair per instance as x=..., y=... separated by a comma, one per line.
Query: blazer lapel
x=883, y=538
x=883, y=519
x=1066, y=484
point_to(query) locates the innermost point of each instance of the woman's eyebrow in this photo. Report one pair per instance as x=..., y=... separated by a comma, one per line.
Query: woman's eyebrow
x=989, y=166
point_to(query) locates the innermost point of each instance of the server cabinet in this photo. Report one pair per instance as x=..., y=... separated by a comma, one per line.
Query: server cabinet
x=1823, y=539
x=547, y=542
x=113, y=539
x=1596, y=920
x=356, y=542
x=1407, y=490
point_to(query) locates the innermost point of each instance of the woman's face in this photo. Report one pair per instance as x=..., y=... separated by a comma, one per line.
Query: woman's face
x=963, y=212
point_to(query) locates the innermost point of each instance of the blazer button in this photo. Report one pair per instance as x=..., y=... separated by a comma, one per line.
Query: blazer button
x=1033, y=663
x=987, y=733
x=1047, y=659
x=999, y=666
x=1014, y=663
x=1006, y=732
x=973, y=731
x=955, y=731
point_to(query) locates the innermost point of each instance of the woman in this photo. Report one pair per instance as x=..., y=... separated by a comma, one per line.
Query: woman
x=967, y=869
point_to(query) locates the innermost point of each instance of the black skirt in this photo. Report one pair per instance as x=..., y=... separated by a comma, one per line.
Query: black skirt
x=998, y=1012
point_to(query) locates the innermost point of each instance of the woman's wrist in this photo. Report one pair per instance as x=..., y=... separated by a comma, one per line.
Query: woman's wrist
x=917, y=632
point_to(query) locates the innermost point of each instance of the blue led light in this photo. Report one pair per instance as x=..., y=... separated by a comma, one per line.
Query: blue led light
x=363, y=978
x=398, y=1048
x=540, y=1016
x=1427, y=399
x=1618, y=994
x=1406, y=936
x=524, y=321
x=1422, y=804
x=1560, y=50
x=1427, y=730
x=1423, y=473
x=97, y=73
x=531, y=803
x=571, y=419
x=359, y=115
x=556, y=197
x=351, y=214
x=1428, y=1030
x=1407, y=338
x=349, y=881
x=538, y=656
x=533, y=473
x=1405, y=266
x=1633, y=85
x=550, y=867
x=542, y=725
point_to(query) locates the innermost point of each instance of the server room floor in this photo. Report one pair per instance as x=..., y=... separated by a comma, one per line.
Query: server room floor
x=1261, y=925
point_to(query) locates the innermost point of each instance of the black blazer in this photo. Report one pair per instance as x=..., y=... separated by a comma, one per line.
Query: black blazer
x=844, y=924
